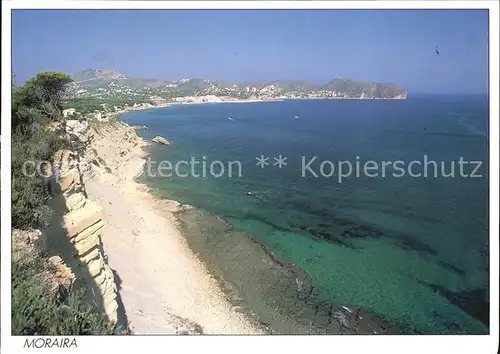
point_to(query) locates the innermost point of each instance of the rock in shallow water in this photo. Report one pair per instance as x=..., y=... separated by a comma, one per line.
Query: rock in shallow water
x=160, y=140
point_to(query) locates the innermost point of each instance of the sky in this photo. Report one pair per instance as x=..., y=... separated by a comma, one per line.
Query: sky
x=396, y=46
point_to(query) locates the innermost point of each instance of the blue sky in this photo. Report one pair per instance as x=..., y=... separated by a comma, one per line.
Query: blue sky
x=395, y=46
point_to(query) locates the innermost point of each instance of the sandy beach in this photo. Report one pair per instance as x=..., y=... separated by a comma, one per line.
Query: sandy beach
x=164, y=287
x=256, y=100
x=165, y=105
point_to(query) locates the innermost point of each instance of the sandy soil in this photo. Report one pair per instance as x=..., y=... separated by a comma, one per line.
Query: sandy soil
x=165, y=288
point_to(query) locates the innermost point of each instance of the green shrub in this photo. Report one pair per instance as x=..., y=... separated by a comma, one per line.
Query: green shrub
x=37, y=133
x=86, y=105
x=35, y=105
x=36, y=312
x=29, y=194
x=30, y=191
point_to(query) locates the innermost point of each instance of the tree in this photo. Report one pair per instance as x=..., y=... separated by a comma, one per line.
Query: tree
x=35, y=309
x=39, y=98
x=34, y=105
x=50, y=86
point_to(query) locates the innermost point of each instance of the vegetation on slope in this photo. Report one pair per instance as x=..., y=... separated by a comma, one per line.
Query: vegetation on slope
x=354, y=88
x=111, y=84
x=35, y=106
x=86, y=105
x=37, y=132
x=37, y=311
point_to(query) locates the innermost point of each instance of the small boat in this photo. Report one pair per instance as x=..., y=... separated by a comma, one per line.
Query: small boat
x=296, y=117
x=230, y=118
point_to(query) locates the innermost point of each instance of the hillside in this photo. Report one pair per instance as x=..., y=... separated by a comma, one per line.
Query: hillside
x=106, y=84
x=103, y=78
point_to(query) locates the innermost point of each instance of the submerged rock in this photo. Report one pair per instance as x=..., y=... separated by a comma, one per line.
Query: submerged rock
x=284, y=298
x=160, y=140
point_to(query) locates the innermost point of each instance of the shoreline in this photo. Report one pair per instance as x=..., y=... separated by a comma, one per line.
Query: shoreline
x=164, y=286
x=168, y=104
x=122, y=188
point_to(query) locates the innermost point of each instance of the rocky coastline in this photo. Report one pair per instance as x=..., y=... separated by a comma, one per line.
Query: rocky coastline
x=322, y=318
x=163, y=287
x=284, y=301
x=109, y=156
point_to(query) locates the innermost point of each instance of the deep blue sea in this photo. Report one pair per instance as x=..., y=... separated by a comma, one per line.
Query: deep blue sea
x=407, y=243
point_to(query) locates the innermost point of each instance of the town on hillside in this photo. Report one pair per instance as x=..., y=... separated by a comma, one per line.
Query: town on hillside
x=99, y=93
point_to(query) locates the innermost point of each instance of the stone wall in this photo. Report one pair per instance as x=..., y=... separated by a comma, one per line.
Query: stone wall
x=82, y=223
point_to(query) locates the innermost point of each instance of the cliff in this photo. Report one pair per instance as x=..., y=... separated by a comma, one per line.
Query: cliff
x=76, y=234
x=163, y=287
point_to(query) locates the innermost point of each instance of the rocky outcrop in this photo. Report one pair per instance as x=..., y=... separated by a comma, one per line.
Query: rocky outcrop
x=26, y=246
x=160, y=140
x=76, y=126
x=59, y=277
x=139, y=127
x=113, y=145
x=402, y=96
x=83, y=223
x=24, y=242
x=68, y=112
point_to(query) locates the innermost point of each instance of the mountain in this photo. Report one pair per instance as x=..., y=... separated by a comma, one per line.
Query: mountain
x=104, y=83
x=101, y=74
x=354, y=88
x=102, y=78
x=194, y=85
x=289, y=85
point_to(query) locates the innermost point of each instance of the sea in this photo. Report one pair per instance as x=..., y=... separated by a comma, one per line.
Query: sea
x=374, y=205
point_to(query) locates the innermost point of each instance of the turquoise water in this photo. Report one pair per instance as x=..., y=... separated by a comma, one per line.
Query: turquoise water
x=412, y=250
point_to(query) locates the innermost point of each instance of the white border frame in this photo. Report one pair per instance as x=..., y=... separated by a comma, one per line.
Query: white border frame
x=183, y=344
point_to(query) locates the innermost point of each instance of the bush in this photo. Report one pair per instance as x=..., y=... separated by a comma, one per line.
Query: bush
x=29, y=194
x=86, y=105
x=29, y=190
x=36, y=312
x=35, y=105
x=37, y=133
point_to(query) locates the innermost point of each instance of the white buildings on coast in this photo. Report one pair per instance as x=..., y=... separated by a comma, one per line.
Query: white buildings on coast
x=198, y=99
